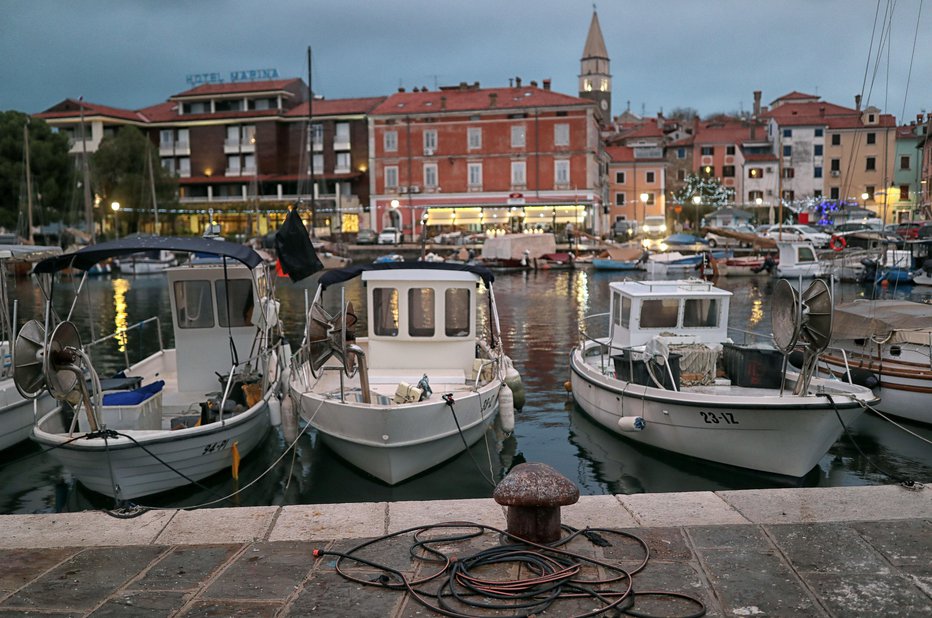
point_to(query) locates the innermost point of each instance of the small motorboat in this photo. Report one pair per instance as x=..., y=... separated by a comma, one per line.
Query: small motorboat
x=666, y=374
x=426, y=381
x=164, y=421
x=146, y=263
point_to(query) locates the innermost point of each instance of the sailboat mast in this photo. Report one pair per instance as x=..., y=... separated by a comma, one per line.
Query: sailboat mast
x=28, y=182
x=88, y=208
x=310, y=129
x=155, y=204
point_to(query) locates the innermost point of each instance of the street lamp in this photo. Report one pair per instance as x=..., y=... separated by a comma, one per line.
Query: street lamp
x=644, y=197
x=115, y=207
x=697, y=200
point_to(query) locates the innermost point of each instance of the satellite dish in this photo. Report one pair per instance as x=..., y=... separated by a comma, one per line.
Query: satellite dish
x=785, y=316
x=28, y=360
x=60, y=359
x=328, y=335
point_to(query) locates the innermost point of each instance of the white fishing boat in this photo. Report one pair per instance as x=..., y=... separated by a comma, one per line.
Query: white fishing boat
x=656, y=377
x=427, y=380
x=799, y=260
x=887, y=345
x=17, y=414
x=165, y=421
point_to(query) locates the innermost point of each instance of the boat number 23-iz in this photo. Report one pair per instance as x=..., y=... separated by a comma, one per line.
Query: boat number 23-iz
x=726, y=418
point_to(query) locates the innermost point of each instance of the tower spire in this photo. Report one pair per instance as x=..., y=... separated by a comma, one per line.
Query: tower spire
x=595, y=79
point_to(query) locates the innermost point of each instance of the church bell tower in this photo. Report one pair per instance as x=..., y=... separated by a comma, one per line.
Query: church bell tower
x=595, y=79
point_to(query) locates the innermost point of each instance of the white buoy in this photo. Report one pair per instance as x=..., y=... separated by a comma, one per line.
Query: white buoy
x=284, y=386
x=275, y=411
x=513, y=380
x=631, y=423
x=506, y=409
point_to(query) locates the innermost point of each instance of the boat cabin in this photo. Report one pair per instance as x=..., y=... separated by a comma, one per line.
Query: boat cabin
x=421, y=318
x=205, y=317
x=691, y=311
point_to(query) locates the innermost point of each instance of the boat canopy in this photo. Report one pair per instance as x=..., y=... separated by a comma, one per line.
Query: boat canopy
x=341, y=275
x=88, y=256
x=898, y=320
x=27, y=253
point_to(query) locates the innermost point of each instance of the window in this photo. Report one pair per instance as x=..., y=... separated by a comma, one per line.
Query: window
x=474, y=137
x=184, y=167
x=342, y=138
x=168, y=164
x=756, y=172
x=561, y=135
x=421, y=312
x=517, y=136
x=430, y=141
x=650, y=199
x=232, y=136
x=904, y=193
x=818, y=132
x=317, y=135
x=869, y=189
x=681, y=174
x=456, y=312
x=616, y=309
x=620, y=178
x=319, y=164
x=788, y=172
x=343, y=163
x=249, y=164
x=729, y=150
x=659, y=313
x=518, y=176
x=728, y=171
x=707, y=171
x=817, y=150
x=430, y=175
x=836, y=165
x=240, y=303
x=755, y=195
x=871, y=119
x=836, y=140
x=561, y=172
x=649, y=176
x=391, y=177
x=234, y=167
x=194, y=306
x=787, y=132
x=806, y=254
x=680, y=153
x=625, y=311
x=871, y=164
x=385, y=312
x=817, y=193
x=834, y=193
x=708, y=150
x=700, y=312
x=787, y=151
x=871, y=138
x=619, y=199
x=249, y=134
x=904, y=162
x=789, y=196
x=817, y=171
x=475, y=174
x=390, y=141
x=166, y=138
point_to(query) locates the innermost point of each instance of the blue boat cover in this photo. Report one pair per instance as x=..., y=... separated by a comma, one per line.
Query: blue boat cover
x=133, y=397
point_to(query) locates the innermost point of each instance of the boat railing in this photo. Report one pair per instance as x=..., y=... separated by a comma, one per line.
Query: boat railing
x=252, y=361
x=120, y=336
x=605, y=344
x=491, y=362
x=766, y=336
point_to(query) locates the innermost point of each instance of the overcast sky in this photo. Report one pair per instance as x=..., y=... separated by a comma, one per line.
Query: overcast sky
x=709, y=55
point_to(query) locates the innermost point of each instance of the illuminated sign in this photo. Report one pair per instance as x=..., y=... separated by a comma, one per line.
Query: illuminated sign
x=252, y=75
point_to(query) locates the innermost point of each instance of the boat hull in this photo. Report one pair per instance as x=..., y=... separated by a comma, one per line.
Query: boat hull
x=750, y=428
x=195, y=452
x=17, y=415
x=394, y=442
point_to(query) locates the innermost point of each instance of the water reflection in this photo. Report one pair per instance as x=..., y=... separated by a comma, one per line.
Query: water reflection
x=540, y=315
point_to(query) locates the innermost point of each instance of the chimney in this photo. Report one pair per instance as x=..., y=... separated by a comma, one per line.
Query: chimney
x=443, y=102
x=757, y=94
x=547, y=84
x=511, y=82
x=463, y=85
x=493, y=99
x=533, y=84
x=517, y=82
x=918, y=118
x=857, y=102
x=401, y=88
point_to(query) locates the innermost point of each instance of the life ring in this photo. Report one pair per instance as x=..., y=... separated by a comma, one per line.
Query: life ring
x=837, y=243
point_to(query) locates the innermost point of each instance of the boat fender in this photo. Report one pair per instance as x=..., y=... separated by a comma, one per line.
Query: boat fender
x=275, y=411
x=513, y=380
x=631, y=423
x=864, y=377
x=506, y=409
x=284, y=383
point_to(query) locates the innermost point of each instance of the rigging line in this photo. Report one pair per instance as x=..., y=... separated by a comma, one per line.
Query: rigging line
x=870, y=49
x=912, y=56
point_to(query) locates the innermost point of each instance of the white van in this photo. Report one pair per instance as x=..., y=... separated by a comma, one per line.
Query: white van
x=654, y=226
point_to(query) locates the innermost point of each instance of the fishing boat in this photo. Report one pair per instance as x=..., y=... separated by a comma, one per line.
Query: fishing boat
x=166, y=420
x=517, y=251
x=422, y=386
x=620, y=258
x=17, y=414
x=887, y=345
x=799, y=260
x=666, y=374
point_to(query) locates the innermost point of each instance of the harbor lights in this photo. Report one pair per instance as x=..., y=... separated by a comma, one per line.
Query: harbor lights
x=115, y=207
x=697, y=200
x=644, y=197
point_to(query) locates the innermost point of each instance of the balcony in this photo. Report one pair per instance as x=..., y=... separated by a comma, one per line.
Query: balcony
x=339, y=144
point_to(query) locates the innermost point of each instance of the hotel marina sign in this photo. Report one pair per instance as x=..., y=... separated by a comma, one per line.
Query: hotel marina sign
x=233, y=77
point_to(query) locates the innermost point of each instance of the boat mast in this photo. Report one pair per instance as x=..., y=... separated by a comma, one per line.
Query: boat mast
x=88, y=209
x=155, y=205
x=310, y=139
x=28, y=182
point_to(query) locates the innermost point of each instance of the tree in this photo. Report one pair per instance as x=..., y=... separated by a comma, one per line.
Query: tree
x=120, y=173
x=711, y=191
x=50, y=167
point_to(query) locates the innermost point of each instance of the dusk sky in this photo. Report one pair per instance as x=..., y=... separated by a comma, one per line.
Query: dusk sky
x=664, y=54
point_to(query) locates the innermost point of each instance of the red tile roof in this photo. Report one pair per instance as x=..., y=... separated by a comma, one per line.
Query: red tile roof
x=731, y=132
x=475, y=99
x=337, y=107
x=794, y=96
x=238, y=88
x=71, y=108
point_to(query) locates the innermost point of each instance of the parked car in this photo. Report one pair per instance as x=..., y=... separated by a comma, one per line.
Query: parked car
x=909, y=230
x=390, y=236
x=925, y=232
x=366, y=237
x=843, y=228
x=654, y=226
x=798, y=231
x=717, y=240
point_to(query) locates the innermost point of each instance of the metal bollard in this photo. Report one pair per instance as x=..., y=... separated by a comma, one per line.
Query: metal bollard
x=534, y=493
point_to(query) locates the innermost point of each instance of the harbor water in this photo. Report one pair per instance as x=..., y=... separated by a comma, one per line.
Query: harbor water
x=540, y=314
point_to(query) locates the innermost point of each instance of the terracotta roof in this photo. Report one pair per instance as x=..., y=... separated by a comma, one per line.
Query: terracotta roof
x=71, y=108
x=475, y=99
x=238, y=87
x=337, y=107
x=722, y=133
x=795, y=96
x=161, y=112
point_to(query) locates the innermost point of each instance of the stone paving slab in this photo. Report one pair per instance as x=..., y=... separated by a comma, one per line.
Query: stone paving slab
x=229, y=525
x=681, y=509
x=330, y=521
x=88, y=529
x=827, y=548
x=598, y=512
x=404, y=515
